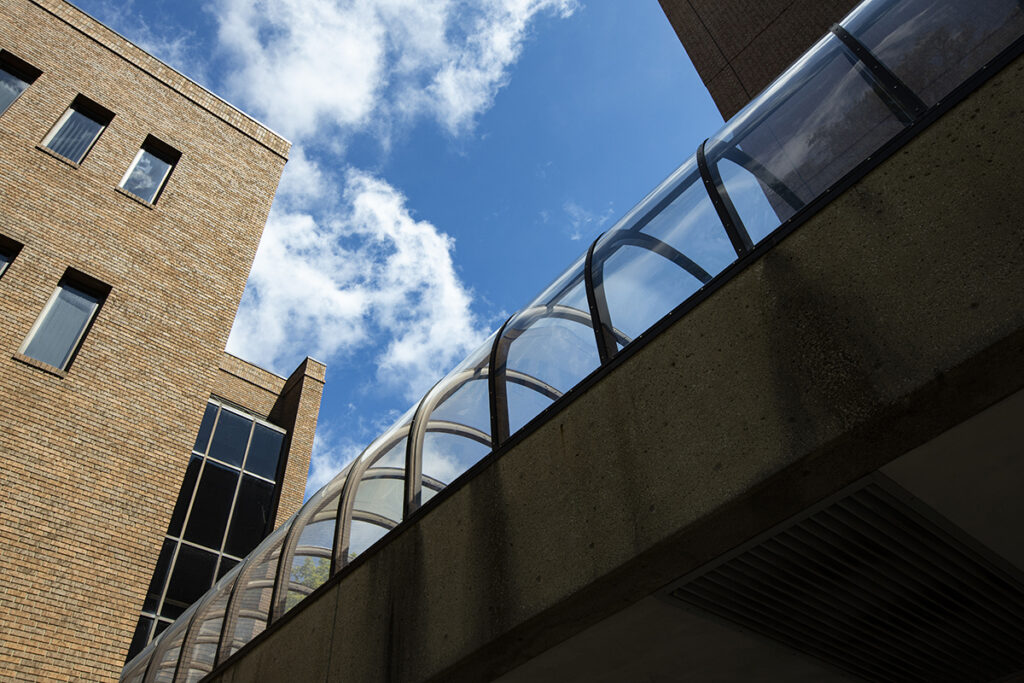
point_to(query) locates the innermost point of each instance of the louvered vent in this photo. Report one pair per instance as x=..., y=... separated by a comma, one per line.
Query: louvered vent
x=873, y=588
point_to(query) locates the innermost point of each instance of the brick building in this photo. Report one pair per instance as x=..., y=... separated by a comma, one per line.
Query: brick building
x=132, y=202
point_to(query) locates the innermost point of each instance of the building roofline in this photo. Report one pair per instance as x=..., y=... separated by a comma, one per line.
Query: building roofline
x=202, y=97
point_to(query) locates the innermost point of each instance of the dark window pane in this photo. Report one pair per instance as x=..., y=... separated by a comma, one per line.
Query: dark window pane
x=252, y=516
x=230, y=438
x=141, y=637
x=60, y=329
x=10, y=87
x=192, y=576
x=205, y=428
x=212, y=503
x=264, y=452
x=226, y=565
x=184, y=496
x=5, y=260
x=75, y=136
x=161, y=626
x=156, y=585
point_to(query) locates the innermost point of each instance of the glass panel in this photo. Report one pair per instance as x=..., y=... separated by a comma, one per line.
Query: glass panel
x=209, y=516
x=10, y=87
x=161, y=626
x=66, y=319
x=934, y=45
x=446, y=456
x=394, y=457
x=556, y=351
x=148, y=175
x=230, y=438
x=264, y=451
x=469, y=405
x=192, y=576
x=226, y=565
x=641, y=287
x=75, y=136
x=5, y=260
x=168, y=664
x=363, y=535
x=381, y=496
x=523, y=405
x=156, y=584
x=690, y=224
x=252, y=516
x=806, y=131
x=203, y=438
x=311, y=565
x=253, y=595
x=188, y=486
x=140, y=637
x=204, y=634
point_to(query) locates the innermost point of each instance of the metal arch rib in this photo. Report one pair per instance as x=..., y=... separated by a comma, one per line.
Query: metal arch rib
x=342, y=532
x=310, y=513
x=724, y=207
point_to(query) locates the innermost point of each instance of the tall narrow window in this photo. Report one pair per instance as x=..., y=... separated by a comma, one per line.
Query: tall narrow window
x=78, y=129
x=15, y=77
x=148, y=174
x=60, y=328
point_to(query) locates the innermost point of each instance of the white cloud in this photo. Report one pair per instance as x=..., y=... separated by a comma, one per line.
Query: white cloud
x=330, y=284
x=583, y=222
x=323, y=67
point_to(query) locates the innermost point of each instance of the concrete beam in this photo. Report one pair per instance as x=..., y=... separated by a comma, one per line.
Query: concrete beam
x=891, y=316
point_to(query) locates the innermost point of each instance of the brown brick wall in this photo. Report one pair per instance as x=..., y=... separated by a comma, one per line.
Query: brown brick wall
x=739, y=46
x=92, y=461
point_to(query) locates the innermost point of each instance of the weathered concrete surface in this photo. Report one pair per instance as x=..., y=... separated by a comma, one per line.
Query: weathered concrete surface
x=891, y=316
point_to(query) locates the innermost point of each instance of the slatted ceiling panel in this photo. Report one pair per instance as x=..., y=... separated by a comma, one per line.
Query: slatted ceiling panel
x=872, y=587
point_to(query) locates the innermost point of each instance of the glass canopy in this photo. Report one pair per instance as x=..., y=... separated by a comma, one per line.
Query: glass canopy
x=884, y=72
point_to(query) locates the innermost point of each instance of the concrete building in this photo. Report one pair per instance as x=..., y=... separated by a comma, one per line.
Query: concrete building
x=765, y=429
x=132, y=203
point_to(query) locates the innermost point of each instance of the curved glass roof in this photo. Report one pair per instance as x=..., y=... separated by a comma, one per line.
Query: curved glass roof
x=889, y=66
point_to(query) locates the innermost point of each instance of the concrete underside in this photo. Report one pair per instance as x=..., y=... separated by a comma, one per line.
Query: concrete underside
x=889, y=319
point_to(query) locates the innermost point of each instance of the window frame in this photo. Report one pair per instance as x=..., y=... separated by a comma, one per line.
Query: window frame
x=162, y=151
x=81, y=283
x=20, y=69
x=91, y=110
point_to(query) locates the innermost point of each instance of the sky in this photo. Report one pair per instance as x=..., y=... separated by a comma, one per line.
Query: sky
x=449, y=159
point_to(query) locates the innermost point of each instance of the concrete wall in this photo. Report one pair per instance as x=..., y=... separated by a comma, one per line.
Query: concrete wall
x=891, y=316
x=739, y=46
x=93, y=457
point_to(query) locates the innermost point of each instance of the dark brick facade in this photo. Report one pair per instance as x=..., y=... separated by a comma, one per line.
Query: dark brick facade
x=91, y=459
x=739, y=46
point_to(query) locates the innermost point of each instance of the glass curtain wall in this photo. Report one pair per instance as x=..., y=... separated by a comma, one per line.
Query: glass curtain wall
x=225, y=507
x=885, y=67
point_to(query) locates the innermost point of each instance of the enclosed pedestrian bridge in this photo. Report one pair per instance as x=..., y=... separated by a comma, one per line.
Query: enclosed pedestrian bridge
x=765, y=428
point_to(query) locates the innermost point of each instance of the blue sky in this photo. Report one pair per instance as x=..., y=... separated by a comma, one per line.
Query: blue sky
x=450, y=158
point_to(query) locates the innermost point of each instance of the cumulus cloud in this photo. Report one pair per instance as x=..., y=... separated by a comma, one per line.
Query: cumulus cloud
x=341, y=66
x=369, y=270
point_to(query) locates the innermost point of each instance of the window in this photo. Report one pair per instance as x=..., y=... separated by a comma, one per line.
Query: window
x=58, y=332
x=8, y=250
x=226, y=506
x=149, y=171
x=15, y=77
x=78, y=129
